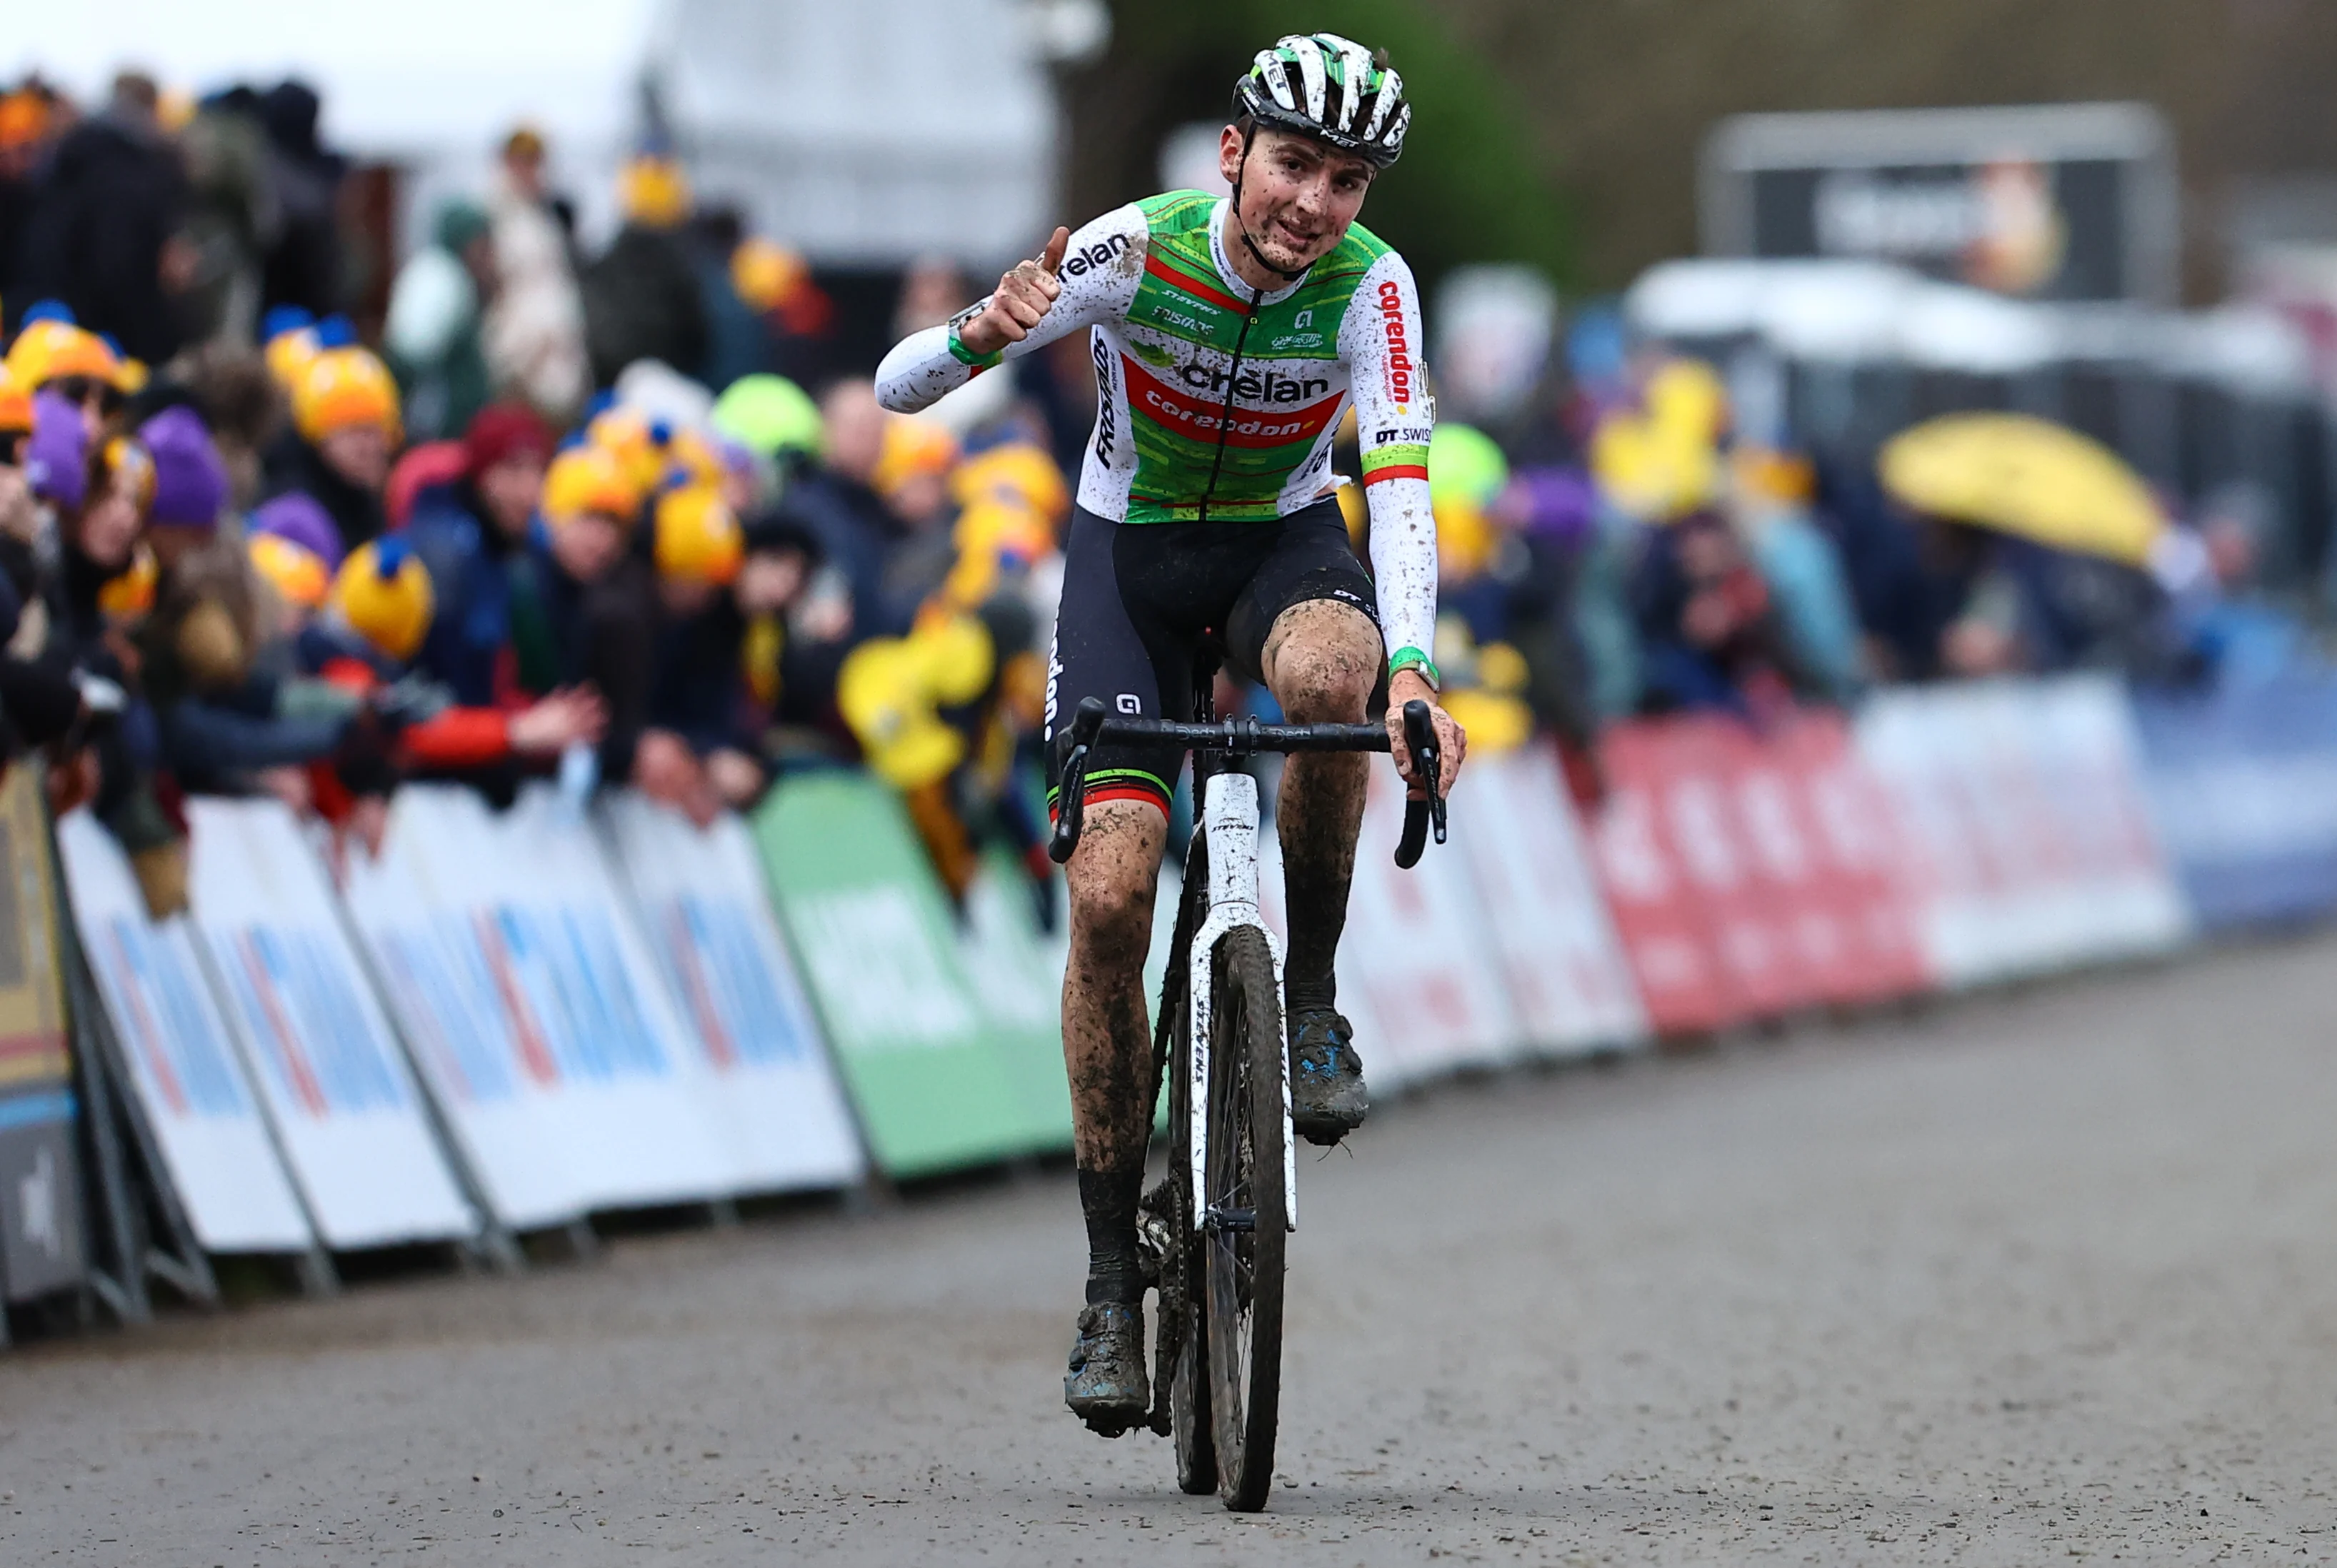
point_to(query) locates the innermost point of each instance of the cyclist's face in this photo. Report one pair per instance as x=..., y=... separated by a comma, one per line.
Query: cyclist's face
x=1297, y=195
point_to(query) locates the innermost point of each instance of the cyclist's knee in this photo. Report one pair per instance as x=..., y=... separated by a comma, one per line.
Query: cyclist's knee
x=1323, y=662
x=1111, y=878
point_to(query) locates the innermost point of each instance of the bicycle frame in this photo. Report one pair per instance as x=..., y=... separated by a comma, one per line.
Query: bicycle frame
x=1229, y=823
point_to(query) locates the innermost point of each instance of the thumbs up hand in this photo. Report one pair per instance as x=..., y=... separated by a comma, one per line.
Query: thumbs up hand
x=1021, y=300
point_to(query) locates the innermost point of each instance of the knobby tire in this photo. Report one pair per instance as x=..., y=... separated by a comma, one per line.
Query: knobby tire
x=1244, y=1271
x=1180, y=1350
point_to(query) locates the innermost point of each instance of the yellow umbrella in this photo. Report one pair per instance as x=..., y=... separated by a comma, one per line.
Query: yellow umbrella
x=2024, y=476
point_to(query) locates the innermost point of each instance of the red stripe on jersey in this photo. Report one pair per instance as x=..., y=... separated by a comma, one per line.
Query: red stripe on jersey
x=1199, y=417
x=1193, y=286
x=1396, y=471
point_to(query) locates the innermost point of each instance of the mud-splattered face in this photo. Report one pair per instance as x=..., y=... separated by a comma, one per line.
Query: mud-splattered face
x=1298, y=195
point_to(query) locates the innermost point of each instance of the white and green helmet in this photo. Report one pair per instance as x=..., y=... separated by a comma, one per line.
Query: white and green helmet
x=1323, y=85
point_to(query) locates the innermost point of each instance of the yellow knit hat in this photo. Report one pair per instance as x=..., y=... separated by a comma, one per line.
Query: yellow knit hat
x=49, y=349
x=288, y=354
x=697, y=537
x=911, y=447
x=294, y=571
x=766, y=274
x=589, y=480
x=340, y=388
x=382, y=594
x=653, y=191
x=1016, y=472
x=15, y=405
x=644, y=448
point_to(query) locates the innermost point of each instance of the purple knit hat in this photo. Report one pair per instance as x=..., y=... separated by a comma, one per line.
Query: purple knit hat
x=298, y=517
x=56, y=458
x=190, y=481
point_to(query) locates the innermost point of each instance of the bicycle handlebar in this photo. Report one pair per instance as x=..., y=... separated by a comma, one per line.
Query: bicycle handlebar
x=1091, y=725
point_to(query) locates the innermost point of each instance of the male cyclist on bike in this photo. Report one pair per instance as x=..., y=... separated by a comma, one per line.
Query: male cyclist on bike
x=1228, y=336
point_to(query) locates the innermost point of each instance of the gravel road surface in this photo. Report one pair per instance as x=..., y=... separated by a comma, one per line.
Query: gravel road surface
x=2022, y=1279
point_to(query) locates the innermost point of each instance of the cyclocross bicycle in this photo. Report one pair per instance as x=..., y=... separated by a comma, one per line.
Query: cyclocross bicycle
x=1215, y=1230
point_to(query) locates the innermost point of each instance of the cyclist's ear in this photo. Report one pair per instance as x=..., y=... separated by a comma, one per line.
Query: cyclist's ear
x=1052, y=258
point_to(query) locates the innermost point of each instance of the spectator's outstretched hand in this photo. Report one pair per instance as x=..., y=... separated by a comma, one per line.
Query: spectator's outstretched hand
x=572, y=715
x=665, y=769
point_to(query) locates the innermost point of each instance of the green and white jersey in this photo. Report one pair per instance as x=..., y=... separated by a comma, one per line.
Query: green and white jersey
x=1215, y=402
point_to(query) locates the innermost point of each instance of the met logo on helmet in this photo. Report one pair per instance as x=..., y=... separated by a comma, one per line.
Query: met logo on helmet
x=1399, y=364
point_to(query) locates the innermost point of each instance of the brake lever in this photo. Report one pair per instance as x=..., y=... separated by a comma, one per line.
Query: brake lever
x=1070, y=792
x=1427, y=766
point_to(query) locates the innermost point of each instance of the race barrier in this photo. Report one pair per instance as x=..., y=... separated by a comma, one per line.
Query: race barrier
x=2242, y=788
x=513, y=1020
x=184, y=1071
x=348, y=1117
x=2025, y=840
x=941, y=1077
x=1751, y=874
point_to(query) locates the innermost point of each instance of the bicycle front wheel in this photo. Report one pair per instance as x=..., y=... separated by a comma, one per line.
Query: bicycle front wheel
x=1246, y=1228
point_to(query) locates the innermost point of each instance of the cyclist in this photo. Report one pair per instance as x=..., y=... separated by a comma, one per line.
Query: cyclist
x=1228, y=334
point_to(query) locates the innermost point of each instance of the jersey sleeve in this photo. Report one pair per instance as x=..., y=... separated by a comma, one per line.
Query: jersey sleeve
x=1102, y=266
x=1380, y=341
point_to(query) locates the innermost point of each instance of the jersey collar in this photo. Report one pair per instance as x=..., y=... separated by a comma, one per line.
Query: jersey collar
x=1224, y=264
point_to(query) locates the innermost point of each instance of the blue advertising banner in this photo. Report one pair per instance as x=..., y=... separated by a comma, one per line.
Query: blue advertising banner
x=2243, y=784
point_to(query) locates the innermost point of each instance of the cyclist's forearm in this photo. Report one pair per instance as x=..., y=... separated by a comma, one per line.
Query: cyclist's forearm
x=1382, y=339
x=921, y=371
x=1403, y=561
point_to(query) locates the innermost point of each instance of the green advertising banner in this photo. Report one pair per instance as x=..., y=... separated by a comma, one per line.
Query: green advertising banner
x=938, y=1081
x=1018, y=977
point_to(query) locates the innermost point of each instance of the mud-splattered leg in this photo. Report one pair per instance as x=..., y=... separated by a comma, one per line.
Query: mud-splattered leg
x=1321, y=660
x=1106, y=1041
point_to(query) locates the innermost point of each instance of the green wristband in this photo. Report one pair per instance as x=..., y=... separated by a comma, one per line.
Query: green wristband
x=959, y=351
x=1413, y=658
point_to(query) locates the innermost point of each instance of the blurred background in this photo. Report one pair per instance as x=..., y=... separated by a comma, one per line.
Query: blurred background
x=1781, y=354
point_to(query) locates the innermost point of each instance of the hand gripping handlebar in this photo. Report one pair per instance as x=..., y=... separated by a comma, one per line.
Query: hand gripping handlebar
x=1091, y=723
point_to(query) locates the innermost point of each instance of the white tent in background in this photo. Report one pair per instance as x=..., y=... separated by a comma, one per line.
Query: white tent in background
x=868, y=132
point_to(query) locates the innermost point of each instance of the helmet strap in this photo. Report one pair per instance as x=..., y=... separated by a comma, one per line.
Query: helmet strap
x=1241, y=225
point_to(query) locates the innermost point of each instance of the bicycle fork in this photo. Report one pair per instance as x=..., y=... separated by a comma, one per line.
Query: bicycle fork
x=1229, y=819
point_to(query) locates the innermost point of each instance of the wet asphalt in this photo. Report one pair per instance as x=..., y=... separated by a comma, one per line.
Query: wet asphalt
x=2016, y=1279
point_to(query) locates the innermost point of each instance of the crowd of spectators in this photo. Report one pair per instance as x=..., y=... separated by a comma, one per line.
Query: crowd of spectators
x=1624, y=552
x=521, y=537
x=591, y=516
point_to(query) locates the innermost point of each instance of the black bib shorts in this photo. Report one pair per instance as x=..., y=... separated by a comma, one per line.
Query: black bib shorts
x=1139, y=598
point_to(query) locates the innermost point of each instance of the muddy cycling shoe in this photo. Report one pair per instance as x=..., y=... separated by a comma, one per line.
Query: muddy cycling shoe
x=1328, y=1099
x=1106, y=1386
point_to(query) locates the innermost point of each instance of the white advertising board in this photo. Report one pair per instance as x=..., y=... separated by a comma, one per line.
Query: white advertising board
x=182, y=1063
x=351, y=1119
x=700, y=897
x=2028, y=843
x=535, y=1009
